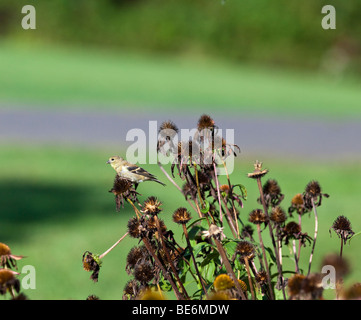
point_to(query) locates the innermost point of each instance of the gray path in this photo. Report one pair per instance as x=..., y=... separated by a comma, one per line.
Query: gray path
x=256, y=136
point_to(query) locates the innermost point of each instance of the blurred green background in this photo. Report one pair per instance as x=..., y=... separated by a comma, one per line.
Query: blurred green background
x=140, y=57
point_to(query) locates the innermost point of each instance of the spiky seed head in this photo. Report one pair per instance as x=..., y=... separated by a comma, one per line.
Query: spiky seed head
x=313, y=189
x=342, y=227
x=246, y=250
x=297, y=200
x=135, y=254
x=271, y=187
x=120, y=185
x=168, y=125
x=135, y=228
x=181, y=216
x=340, y=264
x=292, y=228
x=278, y=215
x=205, y=122
x=143, y=272
x=4, y=249
x=151, y=206
x=295, y=284
x=257, y=216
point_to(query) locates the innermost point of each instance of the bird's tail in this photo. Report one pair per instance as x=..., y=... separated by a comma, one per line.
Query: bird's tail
x=156, y=180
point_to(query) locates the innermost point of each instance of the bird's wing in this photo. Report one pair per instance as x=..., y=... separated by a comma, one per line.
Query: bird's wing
x=140, y=171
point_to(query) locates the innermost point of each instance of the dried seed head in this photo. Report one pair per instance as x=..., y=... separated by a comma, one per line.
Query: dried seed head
x=131, y=288
x=272, y=193
x=135, y=228
x=257, y=216
x=313, y=195
x=4, y=249
x=311, y=288
x=8, y=281
x=352, y=293
x=292, y=228
x=135, y=254
x=92, y=297
x=297, y=200
x=271, y=187
x=295, y=285
x=298, y=205
x=292, y=231
x=246, y=250
x=122, y=189
x=188, y=150
x=120, y=186
x=313, y=189
x=205, y=122
x=341, y=265
x=143, y=272
x=261, y=277
x=342, y=227
x=168, y=129
x=258, y=172
x=181, y=216
x=7, y=259
x=152, y=206
x=189, y=190
x=91, y=262
x=278, y=216
x=151, y=226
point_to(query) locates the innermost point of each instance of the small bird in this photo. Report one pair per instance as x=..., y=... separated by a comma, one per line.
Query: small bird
x=130, y=171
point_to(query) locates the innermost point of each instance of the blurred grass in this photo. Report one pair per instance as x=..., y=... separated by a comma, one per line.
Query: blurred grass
x=54, y=205
x=51, y=77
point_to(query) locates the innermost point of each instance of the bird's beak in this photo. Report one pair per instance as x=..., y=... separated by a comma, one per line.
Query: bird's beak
x=108, y=162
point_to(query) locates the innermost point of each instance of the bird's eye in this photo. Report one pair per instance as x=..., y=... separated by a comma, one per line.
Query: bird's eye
x=112, y=159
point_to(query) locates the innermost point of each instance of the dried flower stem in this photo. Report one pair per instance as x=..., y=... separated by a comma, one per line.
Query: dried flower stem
x=315, y=236
x=295, y=254
x=341, y=249
x=249, y=278
x=135, y=208
x=228, y=267
x=299, y=241
x=279, y=268
x=198, y=188
x=265, y=261
x=218, y=191
x=160, y=235
x=169, y=177
x=166, y=274
x=194, y=260
x=230, y=222
x=113, y=246
x=230, y=187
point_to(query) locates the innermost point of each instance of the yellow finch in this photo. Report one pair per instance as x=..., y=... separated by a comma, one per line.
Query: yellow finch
x=130, y=171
